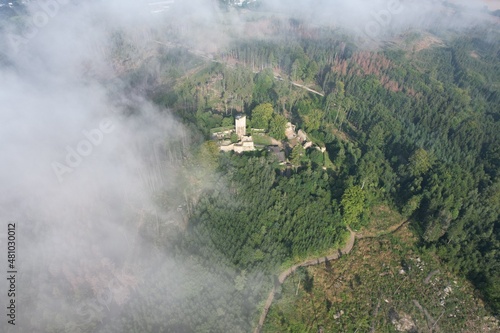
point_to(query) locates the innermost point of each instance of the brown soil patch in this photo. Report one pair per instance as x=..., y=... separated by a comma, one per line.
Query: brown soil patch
x=427, y=42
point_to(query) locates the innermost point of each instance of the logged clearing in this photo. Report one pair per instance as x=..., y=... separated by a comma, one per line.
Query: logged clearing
x=384, y=285
x=426, y=42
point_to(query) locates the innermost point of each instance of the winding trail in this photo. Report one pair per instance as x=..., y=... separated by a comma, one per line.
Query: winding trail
x=311, y=262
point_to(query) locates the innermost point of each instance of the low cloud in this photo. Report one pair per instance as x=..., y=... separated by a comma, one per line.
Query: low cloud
x=373, y=21
x=83, y=159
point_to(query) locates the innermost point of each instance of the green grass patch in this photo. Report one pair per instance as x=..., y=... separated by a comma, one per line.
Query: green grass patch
x=261, y=139
x=221, y=129
x=382, y=217
x=327, y=162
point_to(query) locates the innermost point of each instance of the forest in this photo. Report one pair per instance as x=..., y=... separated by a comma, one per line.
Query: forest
x=417, y=130
x=412, y=125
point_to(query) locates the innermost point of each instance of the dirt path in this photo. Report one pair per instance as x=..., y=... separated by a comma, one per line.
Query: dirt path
x=311, y=262
x=308, y=89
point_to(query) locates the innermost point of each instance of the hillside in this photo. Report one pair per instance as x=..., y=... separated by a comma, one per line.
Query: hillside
x=386, y=284
x=187, y=166
x=414, y=126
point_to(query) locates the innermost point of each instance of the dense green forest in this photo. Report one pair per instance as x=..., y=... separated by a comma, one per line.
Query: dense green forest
x=264, y=219
x=416, y=129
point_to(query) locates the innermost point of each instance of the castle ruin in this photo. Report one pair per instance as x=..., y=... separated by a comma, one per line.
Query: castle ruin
x=245, y=143
x=241, y=126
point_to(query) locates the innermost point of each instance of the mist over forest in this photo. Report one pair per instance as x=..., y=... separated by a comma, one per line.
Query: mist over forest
x=128, y=219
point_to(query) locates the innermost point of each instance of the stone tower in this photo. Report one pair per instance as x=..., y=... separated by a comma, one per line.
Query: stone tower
x=241, y=126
